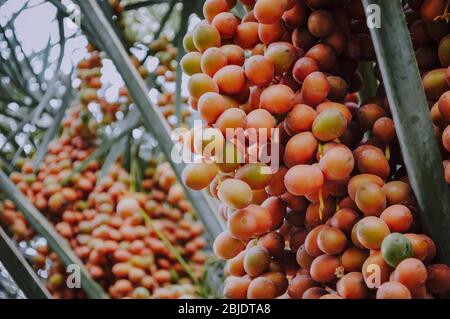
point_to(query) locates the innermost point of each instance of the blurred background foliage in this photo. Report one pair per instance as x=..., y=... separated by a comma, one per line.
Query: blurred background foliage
x=38, y=83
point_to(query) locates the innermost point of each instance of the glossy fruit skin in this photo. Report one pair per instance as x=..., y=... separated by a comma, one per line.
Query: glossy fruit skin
x=320, y=23
x=235, y=193
x=213, y=59
x=294, y=16
x=307, y=143
x=236, y=288
x=398, y=218
x=256, y=261
x=368, y=114
x=371, y=161
x=277, y=187
x=277, y=211
x=190, y=63
x=303, y=67
x=269, y=11
x=277, y=99
x=234, y=54
x=329, y=125
x=315, y=88
x=412, y=273
x=210, y=106
x=299, y=284
x=371, y=232
x=230, y=79
x=420, y=246
x=431, y=9
x=438, y=278
x=353, y=258
x=370, y=199
x=344, y=219
x=311, y=246
x=300, y=118
x=199, y=176
x=314, y=293
x=339, y=88
x=273, y=242
x=280, y=281
x=303, y=259
x=397, y=192
x=247, y=35
x=444, y=105
x=235, y=265
x=435, y=83
x=212, y=8
x=269, y=33
x=226, y=23
x=254, y=174
x=206, y=36
x=311, y=177
x=352, y=286
x=282, y=55
x=359, y=180
x=249, y=222
x=227, y=247
x=337, y=163
x=259, y=70
x=324, y=55
x=376, y=271
x=315, y=216
x=261, y=288
x=395, y=248
x=230, y=119
x=331, y=241
x=323, y=268
x=301, y=38
x=393, y=290
x=242, y=224
x=201, y=83
x=188, y=42
x=384, y=130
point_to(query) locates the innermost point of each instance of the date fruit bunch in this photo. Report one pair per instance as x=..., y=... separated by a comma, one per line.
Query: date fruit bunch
x=430, y=33
x=101, y=219
x=337, y=218
x=43, y=186
x=123, y=253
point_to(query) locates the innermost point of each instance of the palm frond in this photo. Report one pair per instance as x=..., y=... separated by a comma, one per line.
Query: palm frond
x=20, y=270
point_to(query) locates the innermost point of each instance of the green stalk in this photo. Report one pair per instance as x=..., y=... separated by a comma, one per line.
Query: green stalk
x=169, y=246
x=369, y=81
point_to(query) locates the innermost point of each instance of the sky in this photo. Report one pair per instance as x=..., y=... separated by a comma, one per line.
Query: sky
x=37, y=25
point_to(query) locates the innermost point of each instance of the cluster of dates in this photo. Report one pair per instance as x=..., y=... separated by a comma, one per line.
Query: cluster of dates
x=336, y=217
